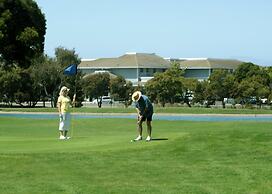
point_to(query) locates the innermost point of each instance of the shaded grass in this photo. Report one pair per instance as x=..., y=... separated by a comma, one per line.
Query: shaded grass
x=198, y=157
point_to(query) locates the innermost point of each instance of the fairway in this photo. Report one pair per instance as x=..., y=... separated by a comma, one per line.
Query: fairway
x=185, y=157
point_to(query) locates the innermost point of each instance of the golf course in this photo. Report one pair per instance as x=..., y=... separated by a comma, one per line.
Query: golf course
x=184, y=157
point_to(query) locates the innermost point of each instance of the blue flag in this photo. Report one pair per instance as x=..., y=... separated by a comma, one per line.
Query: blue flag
x=71, y=70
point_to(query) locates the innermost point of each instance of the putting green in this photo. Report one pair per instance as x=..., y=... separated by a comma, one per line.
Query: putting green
x=187, y=157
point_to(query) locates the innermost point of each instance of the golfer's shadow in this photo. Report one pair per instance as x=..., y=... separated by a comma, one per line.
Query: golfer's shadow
x=159, y=139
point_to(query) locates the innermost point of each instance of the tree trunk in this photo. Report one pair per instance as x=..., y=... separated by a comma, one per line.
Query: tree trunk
x=223, y=104
x=99, y=103
x=187, y=102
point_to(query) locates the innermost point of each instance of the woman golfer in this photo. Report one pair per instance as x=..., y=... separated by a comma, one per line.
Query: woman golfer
x=64, y=104
x=145, y=111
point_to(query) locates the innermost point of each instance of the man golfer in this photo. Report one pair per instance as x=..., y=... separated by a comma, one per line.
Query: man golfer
x=145, y=111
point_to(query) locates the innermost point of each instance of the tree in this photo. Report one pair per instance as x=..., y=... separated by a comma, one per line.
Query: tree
x=121, y=89
x=66, y=57
x=246, y=70
x=252, y=87
x=27, y=92
x=22, y=30
x=269, y=72
x=218, y=88
x=253, y=82
x=9, y=85
x=17, y=86
x=167, y=86
x=189, y=86
x=199, y=92
x=47, y=74
x=97, y=85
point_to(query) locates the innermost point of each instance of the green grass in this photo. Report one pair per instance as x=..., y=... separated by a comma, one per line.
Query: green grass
x=177, y=110
x=198, y=157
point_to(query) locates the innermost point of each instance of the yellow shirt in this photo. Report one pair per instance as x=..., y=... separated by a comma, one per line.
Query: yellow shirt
x=64, y=102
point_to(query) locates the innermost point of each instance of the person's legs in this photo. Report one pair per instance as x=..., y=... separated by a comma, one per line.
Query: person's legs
x=67, y=123
x=61, y=132
x=149, y=127
x=140, y=130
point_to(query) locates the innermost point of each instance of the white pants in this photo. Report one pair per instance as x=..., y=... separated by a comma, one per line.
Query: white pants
x=65, y=122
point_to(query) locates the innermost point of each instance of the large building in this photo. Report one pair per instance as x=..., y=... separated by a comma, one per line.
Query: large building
x=135, y=67
x=201, y=68
x=140, y=67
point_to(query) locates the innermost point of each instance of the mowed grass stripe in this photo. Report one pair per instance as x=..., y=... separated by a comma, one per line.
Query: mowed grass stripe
x=198, y=157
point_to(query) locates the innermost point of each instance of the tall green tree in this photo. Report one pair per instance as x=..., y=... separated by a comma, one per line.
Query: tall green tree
x=253, y=87
x=253, y=82
x=121, y=90
x=9, y=85
x=28, y=94
x=22, y=31
x=246, y=70
x=199, y=92
x=218, y=88
x=47, y=74
x=269, y=72
x=66, y=56
x=17, y=86
x=166, y=87
x=189, y=86
x=97, y=85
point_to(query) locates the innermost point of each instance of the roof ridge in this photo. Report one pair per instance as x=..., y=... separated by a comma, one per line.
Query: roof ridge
x=208, y=61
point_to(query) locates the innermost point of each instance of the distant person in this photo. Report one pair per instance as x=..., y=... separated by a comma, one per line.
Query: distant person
x=64, y=103
x=145, y=112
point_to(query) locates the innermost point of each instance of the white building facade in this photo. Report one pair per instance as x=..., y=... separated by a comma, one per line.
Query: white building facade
x=141, y=67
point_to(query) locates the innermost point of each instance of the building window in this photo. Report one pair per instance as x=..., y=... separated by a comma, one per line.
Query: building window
x=141, y=70
x=154, y=70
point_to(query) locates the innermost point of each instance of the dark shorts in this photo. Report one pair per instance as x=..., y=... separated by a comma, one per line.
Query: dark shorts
x=147, y=117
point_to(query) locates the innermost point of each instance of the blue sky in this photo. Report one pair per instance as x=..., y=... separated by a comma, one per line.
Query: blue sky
x=237, y=29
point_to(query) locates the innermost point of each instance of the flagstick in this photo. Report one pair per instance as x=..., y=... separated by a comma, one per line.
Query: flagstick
x=72, y=128
x=73, y=109
x=72, y=118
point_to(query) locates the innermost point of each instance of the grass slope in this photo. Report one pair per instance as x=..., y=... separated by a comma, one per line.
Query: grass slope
x=198, y=157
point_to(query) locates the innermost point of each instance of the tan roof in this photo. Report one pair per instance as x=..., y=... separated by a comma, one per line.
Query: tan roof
x=111, y=74
x=210, y=63
x=134, y=60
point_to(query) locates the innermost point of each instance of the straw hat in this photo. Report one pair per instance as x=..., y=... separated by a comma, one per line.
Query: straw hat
x=136, y=96
x=64, y=89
